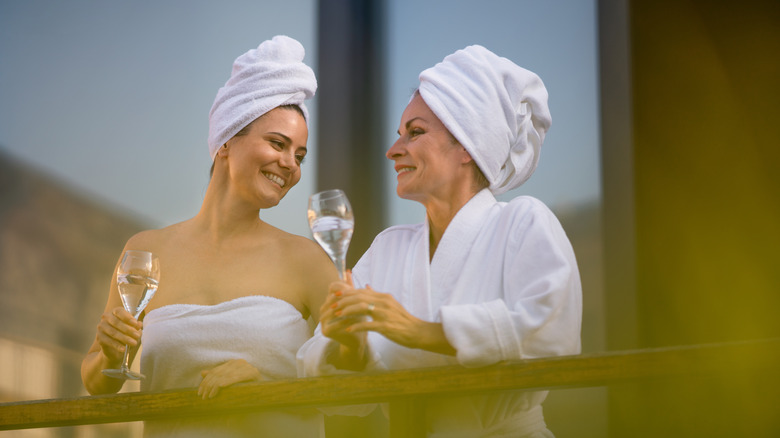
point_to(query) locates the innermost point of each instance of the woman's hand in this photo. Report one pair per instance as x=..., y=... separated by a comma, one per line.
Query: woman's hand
x=349, y=313
x=116, y=329
x=351, y=354
x=229, y=373
x=368, y=310
x=335, y=324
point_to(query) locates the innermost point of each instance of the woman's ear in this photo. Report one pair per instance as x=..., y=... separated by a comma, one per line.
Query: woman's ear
x=465, y=156
x=223, y=151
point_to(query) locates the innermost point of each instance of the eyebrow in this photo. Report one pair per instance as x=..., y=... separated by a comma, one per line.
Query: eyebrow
x=409, y=122
x=287, y=139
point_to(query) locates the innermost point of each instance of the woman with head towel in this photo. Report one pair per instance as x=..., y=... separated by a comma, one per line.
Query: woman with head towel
x=232, y=304
x=479, y=281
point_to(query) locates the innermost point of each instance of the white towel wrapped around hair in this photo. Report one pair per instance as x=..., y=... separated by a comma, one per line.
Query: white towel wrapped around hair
x=494, y=108
x=262, y=79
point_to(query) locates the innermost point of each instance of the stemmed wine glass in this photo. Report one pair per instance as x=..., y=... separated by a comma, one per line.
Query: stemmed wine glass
x=331, y=222
x=137, y=278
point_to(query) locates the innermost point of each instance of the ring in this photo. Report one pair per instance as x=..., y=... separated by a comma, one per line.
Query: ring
x=371, y=307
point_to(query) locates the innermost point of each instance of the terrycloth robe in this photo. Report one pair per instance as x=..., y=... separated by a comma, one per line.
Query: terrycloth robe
x=504, y=284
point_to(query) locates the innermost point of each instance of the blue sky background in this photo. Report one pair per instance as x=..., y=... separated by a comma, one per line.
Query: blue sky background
x=112, y=97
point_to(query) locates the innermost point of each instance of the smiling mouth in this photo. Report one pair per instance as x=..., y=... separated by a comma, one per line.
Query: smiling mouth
x=274, y=178
x=406, y=169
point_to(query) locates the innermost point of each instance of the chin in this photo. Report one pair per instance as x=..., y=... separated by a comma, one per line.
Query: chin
x=270, y=202
x=405, y=195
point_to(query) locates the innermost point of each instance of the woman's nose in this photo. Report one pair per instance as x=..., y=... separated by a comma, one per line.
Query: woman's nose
x=396, y=150
x=287, y=160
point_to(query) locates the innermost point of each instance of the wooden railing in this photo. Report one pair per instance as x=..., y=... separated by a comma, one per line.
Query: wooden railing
x=401, y=389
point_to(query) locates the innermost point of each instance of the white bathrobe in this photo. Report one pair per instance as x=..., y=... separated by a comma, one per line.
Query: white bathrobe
x=504, y=284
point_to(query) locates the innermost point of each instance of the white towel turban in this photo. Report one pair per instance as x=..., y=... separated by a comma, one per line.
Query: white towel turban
x=262, y=79
x=494, y=108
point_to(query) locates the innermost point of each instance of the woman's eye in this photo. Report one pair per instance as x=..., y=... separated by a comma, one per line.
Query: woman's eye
x=415, y=132
x=277, y=144
x=299, y=159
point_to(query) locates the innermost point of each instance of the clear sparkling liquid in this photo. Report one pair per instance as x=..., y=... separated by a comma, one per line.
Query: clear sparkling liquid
x=136, y=291
x=333, y=234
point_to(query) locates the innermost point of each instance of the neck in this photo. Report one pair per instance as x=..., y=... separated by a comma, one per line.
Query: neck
x=440, y=213
x=223, y=216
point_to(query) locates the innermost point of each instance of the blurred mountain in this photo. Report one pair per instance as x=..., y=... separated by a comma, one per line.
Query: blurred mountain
x=58, y=249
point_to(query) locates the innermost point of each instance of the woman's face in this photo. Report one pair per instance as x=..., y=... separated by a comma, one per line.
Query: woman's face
x=265, y=163
x=427, y=158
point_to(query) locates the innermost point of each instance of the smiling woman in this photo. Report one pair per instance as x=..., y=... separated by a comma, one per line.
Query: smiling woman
x=432, y=166
x=273, y=148
x=479, y=281
x=245, y=131
x=232, y=305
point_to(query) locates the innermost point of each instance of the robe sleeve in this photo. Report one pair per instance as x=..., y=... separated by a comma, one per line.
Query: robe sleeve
x=312, y=357
x=537, y=312
x=312, y=362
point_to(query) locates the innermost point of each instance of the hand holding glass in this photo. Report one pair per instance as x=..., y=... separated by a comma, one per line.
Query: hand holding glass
x=331, y=222
x=137, y=277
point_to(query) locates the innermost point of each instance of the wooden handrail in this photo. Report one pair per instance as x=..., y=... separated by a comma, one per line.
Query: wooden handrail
x=398, y=387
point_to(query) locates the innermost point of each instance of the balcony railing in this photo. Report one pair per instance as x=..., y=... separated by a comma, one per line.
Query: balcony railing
x=404, y=389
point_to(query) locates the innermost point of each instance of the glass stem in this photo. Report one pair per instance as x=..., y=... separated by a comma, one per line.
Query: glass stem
x=340, y=265
x=126, y=358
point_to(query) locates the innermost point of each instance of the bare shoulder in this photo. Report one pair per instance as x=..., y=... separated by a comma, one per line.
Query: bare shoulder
x=154, y=240
x=304, y=255
x=311, y=268
x=302, y=249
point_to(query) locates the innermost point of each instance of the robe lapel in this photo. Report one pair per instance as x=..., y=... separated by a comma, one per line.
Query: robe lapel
x=455, y=247
x=418, y=291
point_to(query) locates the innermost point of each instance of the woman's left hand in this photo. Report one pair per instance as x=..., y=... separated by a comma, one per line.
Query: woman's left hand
x=229, y=373
x=389, y=318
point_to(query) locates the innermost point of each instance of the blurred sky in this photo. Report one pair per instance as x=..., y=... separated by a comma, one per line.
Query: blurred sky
x=112, y=97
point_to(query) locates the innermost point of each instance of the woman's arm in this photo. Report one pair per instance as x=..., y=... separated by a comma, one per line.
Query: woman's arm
x=534, y=309
x=317, y=273
x=116, y=329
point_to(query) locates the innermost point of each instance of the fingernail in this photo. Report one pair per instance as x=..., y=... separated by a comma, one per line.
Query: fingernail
x=334, y=305
x=338, y=313
x=338, y=293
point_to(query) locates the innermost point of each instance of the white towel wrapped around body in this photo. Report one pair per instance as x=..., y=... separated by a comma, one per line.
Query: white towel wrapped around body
x=181, y=340
x=262, y=79
x=496, y=110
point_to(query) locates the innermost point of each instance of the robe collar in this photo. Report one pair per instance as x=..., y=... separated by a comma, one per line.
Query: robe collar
x=456, y=243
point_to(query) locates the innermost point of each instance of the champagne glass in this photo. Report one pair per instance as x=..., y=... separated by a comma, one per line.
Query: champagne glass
x=137, y=278
x=331, y=222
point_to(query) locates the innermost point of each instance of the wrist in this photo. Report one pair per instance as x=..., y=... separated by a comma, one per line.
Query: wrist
x=433, y=339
